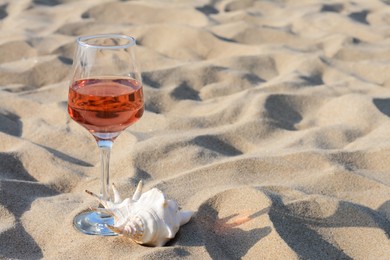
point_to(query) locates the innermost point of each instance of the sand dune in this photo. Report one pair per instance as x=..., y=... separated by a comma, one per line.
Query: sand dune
x=268, y=119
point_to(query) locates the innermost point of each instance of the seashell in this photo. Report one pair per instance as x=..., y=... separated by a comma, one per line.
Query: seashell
x=146, y=218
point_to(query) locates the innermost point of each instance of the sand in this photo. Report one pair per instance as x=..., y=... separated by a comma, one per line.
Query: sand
x=268, y=119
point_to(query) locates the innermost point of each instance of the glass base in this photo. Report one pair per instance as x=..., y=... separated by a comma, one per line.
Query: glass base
x=94, y=223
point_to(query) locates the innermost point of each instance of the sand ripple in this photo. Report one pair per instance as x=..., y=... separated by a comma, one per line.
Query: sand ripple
x=268, y=119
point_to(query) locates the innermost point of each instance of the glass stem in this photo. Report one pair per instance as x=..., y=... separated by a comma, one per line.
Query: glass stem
x=105, y=149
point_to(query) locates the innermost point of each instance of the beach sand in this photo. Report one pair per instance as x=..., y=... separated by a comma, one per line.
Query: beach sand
x=268, y=119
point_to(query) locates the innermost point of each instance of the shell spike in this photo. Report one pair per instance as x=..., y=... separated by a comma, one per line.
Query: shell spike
x=97, y=197
x=185, y=216
x=138, y=191
x=102, y=210
x=115, y=229
x=117, y=197
x=92, y=194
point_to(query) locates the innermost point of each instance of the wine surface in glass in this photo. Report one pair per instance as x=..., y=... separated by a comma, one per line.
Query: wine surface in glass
x=105, y=105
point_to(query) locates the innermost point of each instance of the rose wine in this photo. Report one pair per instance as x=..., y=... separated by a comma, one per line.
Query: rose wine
x=105, y=106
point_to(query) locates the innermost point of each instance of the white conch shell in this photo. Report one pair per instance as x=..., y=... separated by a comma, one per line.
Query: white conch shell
x=147, y=218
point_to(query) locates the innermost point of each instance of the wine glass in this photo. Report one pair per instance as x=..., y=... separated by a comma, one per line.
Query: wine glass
x=105, y=97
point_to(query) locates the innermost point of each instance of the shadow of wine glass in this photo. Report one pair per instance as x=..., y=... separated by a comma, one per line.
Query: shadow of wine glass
x=220, y=236
x=231, y=241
